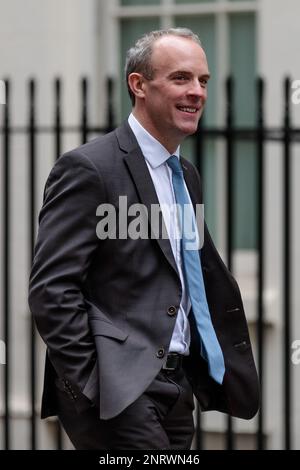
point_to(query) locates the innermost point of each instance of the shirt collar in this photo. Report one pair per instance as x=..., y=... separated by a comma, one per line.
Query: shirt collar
x=154, y=152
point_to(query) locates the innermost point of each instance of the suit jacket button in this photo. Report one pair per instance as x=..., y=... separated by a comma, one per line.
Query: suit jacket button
x=172, y=310
x=160, y=353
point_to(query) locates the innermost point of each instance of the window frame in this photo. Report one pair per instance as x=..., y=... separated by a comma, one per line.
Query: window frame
x=167, y=11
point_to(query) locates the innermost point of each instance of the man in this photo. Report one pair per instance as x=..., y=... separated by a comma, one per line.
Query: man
x=131, y=332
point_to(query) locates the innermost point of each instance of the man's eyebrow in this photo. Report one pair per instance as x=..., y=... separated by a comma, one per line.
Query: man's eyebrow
x=206, y=75
x=186, y=72
x=178, y=72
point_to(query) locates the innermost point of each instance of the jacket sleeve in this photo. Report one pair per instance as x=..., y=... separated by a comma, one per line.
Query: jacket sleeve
x=65, y=245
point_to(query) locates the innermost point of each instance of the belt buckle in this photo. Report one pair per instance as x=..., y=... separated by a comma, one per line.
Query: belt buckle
x=171, y=357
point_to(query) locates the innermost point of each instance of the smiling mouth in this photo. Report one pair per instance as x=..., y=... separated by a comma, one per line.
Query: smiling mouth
x=188, y=109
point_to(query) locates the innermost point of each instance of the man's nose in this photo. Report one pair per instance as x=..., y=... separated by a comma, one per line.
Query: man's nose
x=197, y=89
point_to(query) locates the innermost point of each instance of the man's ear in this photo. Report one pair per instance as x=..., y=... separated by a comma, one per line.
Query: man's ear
x=136, y=83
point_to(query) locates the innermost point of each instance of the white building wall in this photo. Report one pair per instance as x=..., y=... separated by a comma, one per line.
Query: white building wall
x=41, y=40
x=278, y=57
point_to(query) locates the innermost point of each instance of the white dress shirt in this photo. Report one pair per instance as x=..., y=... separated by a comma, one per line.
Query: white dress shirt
x=156, y=156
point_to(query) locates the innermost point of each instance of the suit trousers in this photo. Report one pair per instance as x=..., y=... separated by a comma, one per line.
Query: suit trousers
x=161, y=418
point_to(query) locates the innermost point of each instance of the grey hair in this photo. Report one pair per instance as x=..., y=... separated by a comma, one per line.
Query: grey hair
x=138, y=57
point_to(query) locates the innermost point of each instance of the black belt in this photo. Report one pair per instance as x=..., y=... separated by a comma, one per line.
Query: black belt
x=173, y=361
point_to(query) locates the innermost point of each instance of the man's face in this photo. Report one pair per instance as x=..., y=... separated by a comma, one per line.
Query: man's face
x=174, y=99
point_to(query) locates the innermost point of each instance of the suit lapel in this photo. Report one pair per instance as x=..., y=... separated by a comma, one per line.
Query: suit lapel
x=138, y=169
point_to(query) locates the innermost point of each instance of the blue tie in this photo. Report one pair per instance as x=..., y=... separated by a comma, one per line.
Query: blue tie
x=210, y=347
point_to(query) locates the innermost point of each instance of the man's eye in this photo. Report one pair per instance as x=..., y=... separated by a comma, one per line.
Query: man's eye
x=180, y=77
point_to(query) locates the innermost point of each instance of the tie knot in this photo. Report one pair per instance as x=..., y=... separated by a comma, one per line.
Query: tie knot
x=174, y=164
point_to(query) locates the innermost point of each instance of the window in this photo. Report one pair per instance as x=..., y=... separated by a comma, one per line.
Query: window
x=242, y=67
x=227, y=31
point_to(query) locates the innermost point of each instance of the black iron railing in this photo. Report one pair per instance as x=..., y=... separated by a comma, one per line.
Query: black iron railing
x=259, y=134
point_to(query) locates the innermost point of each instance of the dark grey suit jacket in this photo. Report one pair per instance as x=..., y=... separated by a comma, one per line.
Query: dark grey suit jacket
x=106, y=309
